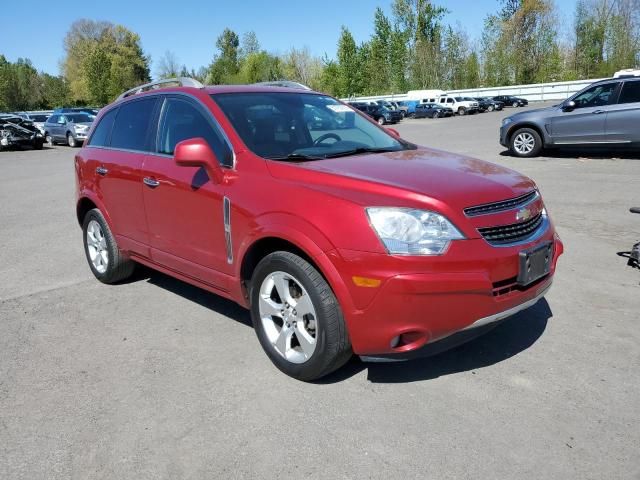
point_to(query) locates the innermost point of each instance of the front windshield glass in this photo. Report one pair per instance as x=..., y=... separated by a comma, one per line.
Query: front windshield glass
x=79, y=117
x=303, y=126
x=39, y=118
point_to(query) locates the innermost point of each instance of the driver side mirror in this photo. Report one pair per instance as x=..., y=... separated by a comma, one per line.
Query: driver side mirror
x=568, y=106
x=196, y=152
x=393, y=132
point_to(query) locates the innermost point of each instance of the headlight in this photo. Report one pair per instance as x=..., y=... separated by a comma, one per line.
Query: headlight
x=506, y=121
x=406, y=231
x=81, y=128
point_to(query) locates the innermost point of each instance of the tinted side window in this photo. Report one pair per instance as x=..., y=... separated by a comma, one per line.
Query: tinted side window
x=53, y=119
x=630, y=93
x=132, y=125
x=595, y=96
x=100, y=136
x=181, y=120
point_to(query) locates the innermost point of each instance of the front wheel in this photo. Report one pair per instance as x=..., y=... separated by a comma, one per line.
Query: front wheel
x=490, y=108
x=526, y=142
x=71, y=141
x=462, y=111
x=381, y=121
x=49, y=139
x=435, y=115
x=297, y=317
x=515, y=104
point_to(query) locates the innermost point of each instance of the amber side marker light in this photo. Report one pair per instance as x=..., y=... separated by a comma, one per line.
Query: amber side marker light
x=366, y=282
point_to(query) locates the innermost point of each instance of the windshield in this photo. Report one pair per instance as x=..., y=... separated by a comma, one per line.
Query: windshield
x=79, y=117
x=302, y=126
x=39, y=118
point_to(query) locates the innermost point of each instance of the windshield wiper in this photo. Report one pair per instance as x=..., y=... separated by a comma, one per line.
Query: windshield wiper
x=295, y=157
x=356, y=151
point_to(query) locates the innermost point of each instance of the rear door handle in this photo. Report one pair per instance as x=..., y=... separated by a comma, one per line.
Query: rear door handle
x=102, y=171
x=150, y=182
x=598, y=112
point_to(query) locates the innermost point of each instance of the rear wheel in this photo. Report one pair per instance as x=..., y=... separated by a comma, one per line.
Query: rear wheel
x=297, y=317
x=525, y=142
x=105, y=259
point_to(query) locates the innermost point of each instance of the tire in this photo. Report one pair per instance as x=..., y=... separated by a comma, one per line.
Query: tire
x=71, y=141
x=525, y=143
x=327, y=347
x=37, y=145
x=515, y=104
x=381, y=121
x=490, y=108
x=435, y=115
x=108, y=264
x=49, y=139
x=462, y=111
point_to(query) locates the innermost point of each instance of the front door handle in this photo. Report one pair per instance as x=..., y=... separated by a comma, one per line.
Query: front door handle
x=150, y=182
x=598, y=112
x=102, y=171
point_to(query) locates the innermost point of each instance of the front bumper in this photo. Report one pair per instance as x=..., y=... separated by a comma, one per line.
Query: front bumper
x=422, y=300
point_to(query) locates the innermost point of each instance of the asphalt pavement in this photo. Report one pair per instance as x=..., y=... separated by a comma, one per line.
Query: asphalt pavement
x=155, y=379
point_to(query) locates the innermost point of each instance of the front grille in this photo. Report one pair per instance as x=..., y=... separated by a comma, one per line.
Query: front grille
x=500, y=206
x=515, y=232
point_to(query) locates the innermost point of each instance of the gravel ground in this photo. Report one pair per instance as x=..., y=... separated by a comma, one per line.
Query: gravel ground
x=155, y=379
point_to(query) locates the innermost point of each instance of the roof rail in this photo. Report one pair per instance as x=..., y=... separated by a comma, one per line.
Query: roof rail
x=178, y=81
x=283, y=83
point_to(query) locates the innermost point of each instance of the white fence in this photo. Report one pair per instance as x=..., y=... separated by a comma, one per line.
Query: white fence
x=539, y=92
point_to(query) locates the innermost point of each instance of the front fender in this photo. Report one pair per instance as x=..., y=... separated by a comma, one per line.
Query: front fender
x=307, y=238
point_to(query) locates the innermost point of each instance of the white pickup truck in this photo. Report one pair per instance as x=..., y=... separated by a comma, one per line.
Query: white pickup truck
x=459, y=105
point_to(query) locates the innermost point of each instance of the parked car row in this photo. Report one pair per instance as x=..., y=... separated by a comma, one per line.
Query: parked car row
x=381, y=111
x=443, y=105
x=68, y=125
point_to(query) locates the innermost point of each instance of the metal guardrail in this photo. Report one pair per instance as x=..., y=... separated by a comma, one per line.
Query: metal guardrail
x=539, y=92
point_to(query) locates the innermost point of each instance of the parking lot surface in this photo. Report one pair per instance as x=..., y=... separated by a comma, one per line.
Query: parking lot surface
x=155, y=379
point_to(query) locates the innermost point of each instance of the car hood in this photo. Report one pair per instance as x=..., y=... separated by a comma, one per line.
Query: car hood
x=439, y=178
x=531, y=113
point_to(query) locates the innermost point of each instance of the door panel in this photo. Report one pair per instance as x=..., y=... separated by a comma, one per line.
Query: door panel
x=185, y=218
x=120, y=189
x=582, y=125
x=586, y=122
x=624, y=117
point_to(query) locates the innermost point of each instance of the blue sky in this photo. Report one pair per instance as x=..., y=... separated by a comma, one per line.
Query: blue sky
x=189, y=28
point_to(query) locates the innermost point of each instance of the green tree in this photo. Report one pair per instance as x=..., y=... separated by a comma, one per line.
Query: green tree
x=348, y=67
x=226, y=65
x=90, y=46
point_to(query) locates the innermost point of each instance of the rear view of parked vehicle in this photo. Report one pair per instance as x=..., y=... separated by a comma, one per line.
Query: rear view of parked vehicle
x=380, y=114
x=69, y=128
x=605, y=114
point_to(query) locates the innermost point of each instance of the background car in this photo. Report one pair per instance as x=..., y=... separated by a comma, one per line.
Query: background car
x=69, y=128
x=486, y=104
x=511, y=101
x=607, y=113
x=18, y=132
x=380, y=114
x=432, y=110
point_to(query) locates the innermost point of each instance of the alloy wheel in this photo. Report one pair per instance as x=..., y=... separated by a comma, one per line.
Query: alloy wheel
x=97, y=247
x=288, y=317
x=524, y=143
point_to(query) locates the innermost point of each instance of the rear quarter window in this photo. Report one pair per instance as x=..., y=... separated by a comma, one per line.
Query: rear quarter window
x=102, y=132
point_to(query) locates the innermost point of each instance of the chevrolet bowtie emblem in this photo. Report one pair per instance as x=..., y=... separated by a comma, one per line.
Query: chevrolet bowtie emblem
x=523, y=214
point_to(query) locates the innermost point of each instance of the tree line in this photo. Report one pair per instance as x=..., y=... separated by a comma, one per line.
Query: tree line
x=523, y=41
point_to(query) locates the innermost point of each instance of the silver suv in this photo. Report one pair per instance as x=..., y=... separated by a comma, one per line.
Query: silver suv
x=605, y=113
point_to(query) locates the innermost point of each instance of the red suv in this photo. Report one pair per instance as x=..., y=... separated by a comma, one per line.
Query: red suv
x=340, y=237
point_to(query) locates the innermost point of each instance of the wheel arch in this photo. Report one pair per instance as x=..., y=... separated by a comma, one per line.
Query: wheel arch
x=530, y=125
